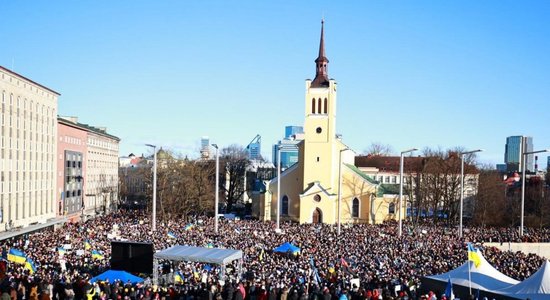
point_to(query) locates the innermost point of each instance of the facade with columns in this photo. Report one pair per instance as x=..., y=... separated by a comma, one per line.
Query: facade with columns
x=28, y=150
x=324, y=185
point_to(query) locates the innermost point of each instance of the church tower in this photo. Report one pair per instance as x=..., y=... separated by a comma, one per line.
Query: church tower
x=320, y=125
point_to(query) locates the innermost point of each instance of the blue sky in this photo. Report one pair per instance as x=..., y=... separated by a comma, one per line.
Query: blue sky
x=410, y=73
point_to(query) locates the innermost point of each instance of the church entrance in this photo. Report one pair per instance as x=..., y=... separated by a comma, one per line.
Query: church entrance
x=317, y=216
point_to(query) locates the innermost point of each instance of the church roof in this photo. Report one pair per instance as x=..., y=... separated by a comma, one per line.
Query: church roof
x=387, y=189
x=321, y=73
x=361, y=174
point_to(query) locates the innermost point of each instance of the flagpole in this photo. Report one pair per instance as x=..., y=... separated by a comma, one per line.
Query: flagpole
x=469, y=276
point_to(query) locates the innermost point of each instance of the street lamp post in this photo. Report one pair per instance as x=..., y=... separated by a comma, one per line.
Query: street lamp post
x=279, y=148
x=462, y=186
x=154, y=219
x=401, y=161
x=338, y=228
x=217, y=188
x=524, y=154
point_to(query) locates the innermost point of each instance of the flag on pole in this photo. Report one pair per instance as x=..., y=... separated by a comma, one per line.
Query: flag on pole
x=17, y=256
x=473, y=255
x=449, y=290
x=316, y=277
x=178, y=277
x=97, y=254
x=29, y=265
x=87, y=245
x=172, y=235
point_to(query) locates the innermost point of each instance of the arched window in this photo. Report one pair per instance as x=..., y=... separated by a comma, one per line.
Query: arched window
x=391, y=208
x=319, y=106
x=284, y=205
x=313, y=105
x=326, y=105
x=355, y=208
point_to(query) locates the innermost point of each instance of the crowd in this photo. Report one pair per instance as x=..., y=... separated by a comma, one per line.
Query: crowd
x=373, y=254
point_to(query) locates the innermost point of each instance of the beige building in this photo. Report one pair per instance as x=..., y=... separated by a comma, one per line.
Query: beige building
x=325, y=172
x=101, y=182
x=28, y=150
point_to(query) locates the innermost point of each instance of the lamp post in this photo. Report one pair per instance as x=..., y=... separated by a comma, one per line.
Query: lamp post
x=401, y=161
x=338, y=228
x=217, y=188
x=279, y=148
x=154, y=219
x=462, y=186
x=524, y=154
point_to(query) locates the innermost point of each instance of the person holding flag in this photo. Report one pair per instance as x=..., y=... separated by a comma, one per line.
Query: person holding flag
x=449, y=290
x=316, y=277
x=17, y=256
x=87, y=245
x=473, y=256
x=29, y=265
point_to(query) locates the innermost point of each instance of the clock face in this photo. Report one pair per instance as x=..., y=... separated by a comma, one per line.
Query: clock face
x=319, y=130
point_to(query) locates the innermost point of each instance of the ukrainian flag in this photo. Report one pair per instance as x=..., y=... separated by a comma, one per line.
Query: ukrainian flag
x=188, y=226
x=61, y=250
x=97, y=254
x=473, y=255
x=178, y=278
x=29, y=265
x=16, y=256
x=172, y=235
x=87, y=245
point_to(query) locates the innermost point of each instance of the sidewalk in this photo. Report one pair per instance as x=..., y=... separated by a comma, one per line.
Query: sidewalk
x=20, y=231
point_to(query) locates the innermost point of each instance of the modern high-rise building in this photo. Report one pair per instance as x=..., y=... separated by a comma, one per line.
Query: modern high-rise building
x=254, y=148
x=515, y=146
x=28, y=151
x=205, y=147
x=293, y=130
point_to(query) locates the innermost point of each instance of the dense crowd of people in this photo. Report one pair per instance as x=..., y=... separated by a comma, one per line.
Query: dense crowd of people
x=363, y=262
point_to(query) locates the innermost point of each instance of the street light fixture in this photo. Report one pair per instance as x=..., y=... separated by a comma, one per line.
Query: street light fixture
x=217, y=188
x=154, y=218
x=462, y=185
x=338, y=228
x=523, y=182
x=401, y=161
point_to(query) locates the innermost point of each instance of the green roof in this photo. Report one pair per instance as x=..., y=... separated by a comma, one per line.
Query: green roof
x=363, y=175
x=388, y=189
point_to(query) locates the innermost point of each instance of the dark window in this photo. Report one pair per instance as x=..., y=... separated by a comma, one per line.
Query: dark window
x=355, y=208
x=326, y=105
x=313, y=106
x=68, y=164
x=79, y=192
x=319, y=105
x=67, y=194
x=284, y=206
x=317, y=198
x=79, y=164
x=391, y=208
x=319, y=130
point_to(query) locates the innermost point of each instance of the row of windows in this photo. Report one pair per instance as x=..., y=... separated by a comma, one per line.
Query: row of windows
x=24, y=205
x=354, y=206
x=318, y=103
x=32, y=88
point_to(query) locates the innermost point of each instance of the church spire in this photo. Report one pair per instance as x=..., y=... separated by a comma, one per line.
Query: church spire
x=321, y=73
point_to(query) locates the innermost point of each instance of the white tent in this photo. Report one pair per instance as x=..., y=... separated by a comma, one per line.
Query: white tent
x=535, y=287
x=485, y=277
x=216, y=256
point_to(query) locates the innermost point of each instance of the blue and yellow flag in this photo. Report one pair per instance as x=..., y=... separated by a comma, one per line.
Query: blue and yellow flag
x=178, y=277
x=16, y=256
x=87, y=245
x=97, y=254
x=473, y=255
x=172, y=235
x=61, y=250
x=188, y=226
x=29, y=265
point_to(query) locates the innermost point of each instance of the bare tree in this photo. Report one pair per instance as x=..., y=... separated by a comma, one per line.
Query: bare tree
x=490, y=201
x=379, y=149
x=236, y=161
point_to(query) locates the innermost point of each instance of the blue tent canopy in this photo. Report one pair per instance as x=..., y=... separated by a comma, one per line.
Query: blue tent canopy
x=286, y=248
x=113, y=275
